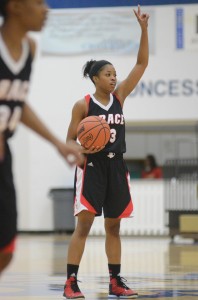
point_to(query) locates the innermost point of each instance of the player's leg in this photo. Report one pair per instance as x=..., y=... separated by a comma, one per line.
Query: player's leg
x=89, y=193
x=6, y=254
x=117, y=206
x=75, y=252
x=78, y=239
x=8, y=214
x=112, y=241
x=7, y=234
x=5, y=259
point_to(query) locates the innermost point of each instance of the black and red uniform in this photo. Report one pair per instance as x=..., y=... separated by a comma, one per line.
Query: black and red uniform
x=103, y=185
x=14, y=83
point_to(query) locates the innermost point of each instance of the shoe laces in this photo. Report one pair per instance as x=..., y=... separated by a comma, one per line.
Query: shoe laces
x=74, y=285
x=121, y=282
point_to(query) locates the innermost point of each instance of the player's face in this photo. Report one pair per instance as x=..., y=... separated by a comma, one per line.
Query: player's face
x=107, y=78
x=33, y=14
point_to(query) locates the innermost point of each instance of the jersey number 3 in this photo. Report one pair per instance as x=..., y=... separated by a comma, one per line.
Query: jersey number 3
x=113, y=135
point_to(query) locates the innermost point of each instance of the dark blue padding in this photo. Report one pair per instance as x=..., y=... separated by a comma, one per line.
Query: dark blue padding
x=110, y=3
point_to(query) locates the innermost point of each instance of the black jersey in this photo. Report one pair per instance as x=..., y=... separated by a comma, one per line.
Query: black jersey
x=113, y=114
x=14, y=84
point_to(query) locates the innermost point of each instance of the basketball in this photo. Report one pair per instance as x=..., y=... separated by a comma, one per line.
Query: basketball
x=93, y=131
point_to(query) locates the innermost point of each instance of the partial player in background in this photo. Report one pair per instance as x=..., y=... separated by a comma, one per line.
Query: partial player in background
x=102, y=182
x=151, y=169
x=16, y=56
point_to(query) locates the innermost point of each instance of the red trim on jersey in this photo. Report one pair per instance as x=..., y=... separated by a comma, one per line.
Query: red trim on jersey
x=128, y=210
x=87, y=99
x=77, y=179
x=10, y=247
x=84, y=201
x=118, y=99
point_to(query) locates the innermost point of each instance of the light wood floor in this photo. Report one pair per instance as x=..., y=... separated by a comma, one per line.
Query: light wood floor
x=154, y=267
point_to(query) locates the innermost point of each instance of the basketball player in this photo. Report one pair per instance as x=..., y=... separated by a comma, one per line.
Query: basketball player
x=16, y=55
x=102, y=183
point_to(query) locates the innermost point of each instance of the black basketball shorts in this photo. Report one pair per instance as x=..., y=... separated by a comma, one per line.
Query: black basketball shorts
x=103, y=185
x=8, y=214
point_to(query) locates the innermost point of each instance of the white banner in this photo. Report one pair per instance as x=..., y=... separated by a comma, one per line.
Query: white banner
x=83, y=31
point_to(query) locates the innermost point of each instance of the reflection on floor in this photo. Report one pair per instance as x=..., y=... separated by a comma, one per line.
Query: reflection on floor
x=154, y=267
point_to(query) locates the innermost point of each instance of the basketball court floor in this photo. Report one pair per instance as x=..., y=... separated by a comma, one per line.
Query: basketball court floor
x=155, y=267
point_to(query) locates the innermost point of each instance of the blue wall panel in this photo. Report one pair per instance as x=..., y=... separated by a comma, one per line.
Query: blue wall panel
x=109, y=3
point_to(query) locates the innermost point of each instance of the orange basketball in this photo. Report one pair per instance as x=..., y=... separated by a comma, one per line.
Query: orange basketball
x=93, y=131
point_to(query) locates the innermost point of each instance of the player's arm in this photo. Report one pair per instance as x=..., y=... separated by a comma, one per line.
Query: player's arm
x=127, y=85
x=79, y=112
x=29, y=118
x=70, y=153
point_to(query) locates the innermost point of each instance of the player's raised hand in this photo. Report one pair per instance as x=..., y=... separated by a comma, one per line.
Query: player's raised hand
x=141, y=17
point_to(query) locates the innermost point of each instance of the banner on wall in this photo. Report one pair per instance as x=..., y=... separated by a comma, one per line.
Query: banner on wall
x=161, y=88
x=191, y=28
x=169, y=87
x=84, y=31
x=187, y=28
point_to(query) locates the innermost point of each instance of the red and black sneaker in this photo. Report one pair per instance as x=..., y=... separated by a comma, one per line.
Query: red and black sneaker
x=118, y=289
x=71, y=289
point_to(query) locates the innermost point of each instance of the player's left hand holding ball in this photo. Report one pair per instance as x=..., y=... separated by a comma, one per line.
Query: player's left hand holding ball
x=92, y=150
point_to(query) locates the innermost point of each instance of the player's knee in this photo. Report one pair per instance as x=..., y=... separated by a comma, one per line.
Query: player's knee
x=84, y=228
x=5, y=259
x=112, y=228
